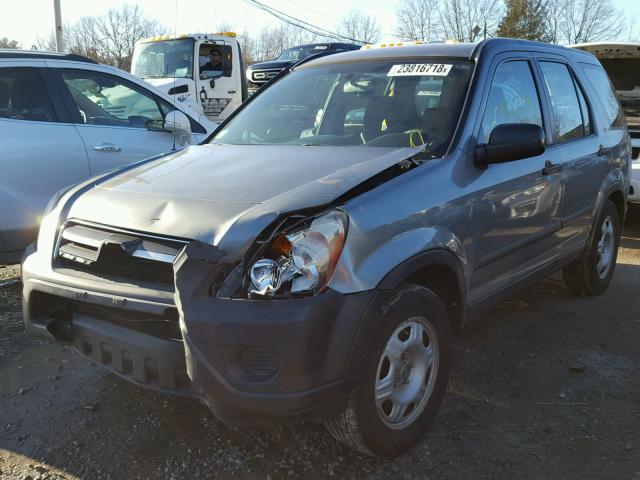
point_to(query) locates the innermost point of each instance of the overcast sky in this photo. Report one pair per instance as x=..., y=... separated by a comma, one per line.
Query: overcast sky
x=26, y=20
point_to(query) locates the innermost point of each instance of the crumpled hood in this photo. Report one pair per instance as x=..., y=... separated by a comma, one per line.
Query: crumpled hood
x=226, y=195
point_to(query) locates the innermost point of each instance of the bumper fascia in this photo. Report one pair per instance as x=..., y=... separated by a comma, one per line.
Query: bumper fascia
x=312, y=338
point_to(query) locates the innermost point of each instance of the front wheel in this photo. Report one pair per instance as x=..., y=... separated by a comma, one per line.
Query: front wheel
x=591, y=273
x=404, y=377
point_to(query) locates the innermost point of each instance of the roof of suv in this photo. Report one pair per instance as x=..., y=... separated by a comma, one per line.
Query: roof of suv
x=455, y=50
x=329, y=44
x=34, y=54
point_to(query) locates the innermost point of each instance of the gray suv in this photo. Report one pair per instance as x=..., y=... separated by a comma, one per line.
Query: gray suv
x=312, y=258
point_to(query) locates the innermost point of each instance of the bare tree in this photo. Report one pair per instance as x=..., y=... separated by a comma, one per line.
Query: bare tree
x=578, y=21
x=360, y=26
x=119, y=30
x=271, y=41
x=48, y=43
x=554, y=19
x=466, y=20
x=418, y=20
x=107, y=39
x=633, y=30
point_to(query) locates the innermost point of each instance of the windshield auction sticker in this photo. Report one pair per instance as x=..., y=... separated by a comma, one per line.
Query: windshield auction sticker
x=419, y=69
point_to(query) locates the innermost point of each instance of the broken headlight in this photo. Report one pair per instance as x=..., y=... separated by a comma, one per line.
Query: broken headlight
x=301, y=262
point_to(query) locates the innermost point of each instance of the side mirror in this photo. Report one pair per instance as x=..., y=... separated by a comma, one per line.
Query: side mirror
x=511, y=141
x=179, y=125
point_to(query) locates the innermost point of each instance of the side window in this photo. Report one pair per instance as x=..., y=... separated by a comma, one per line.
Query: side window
x=513, y=98
x=23, y=96
x=215, y=61
x=103, y=99
x=567, y=111
x=604, y=91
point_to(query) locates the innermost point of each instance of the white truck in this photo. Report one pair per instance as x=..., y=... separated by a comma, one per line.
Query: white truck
x=204, y=72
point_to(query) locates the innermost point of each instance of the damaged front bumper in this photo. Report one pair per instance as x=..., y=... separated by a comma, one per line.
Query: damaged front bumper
x=252, y=361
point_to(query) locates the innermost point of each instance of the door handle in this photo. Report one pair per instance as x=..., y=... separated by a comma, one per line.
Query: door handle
x=231, y=92
x=107, y=147
x=550, y=168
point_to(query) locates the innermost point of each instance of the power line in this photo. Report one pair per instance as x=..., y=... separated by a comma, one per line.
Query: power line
x=296, y=22
x=309, y=9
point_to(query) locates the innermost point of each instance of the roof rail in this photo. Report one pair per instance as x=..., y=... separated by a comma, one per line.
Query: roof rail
x=11, y=53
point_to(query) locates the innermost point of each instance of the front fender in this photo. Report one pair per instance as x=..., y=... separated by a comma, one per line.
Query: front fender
x=383, y=266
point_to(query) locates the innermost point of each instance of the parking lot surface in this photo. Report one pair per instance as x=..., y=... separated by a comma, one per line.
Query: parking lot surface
x=544, y=386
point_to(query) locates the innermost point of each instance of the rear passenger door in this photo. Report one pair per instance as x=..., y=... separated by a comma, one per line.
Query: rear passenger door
x=573, y=136
x=41, y=150
x=518, y=212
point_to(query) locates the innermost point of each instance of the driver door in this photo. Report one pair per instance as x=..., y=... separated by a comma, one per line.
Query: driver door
x=218, y=90
x=119, y=122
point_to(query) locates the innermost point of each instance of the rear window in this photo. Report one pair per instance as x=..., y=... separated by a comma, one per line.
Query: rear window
x=23, y=96
x=601, y=84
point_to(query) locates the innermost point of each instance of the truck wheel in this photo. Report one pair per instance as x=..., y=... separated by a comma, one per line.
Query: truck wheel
x=591, y=273
x=403, y=378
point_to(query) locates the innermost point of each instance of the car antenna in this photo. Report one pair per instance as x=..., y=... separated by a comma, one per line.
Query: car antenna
x=175, y=62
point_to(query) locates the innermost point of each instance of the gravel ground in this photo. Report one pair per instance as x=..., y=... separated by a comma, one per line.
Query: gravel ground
x=545, y=386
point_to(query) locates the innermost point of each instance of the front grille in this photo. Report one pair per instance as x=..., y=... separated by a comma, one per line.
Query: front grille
x=263, y=76
x=117, y=255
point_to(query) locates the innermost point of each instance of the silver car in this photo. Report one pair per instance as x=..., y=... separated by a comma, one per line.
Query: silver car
x=65, y=118
x=312, y=259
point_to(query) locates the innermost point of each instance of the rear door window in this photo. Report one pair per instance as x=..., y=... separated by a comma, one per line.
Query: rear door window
x=513, y=98
x=568, y=121
x=23, y=95
x=603, y=90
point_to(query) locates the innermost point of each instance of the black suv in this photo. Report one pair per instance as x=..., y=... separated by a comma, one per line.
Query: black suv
x=260, y=73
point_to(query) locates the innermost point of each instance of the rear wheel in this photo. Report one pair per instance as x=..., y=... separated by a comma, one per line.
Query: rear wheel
x=404, y=377
x=591, y=273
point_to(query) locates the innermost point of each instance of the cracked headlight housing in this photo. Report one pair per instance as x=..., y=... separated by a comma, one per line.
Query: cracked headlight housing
x=302, y=262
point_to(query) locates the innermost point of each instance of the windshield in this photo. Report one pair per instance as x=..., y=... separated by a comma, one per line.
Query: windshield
x=625, y=76
x=299, y=53
x=168, y=59
x=376, y=104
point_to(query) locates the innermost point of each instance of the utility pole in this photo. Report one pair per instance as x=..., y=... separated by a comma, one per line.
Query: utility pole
x=58, y=16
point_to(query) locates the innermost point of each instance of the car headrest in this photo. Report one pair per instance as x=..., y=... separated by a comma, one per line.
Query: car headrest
x=28, y=94
x=377, y=117
x=438, y=122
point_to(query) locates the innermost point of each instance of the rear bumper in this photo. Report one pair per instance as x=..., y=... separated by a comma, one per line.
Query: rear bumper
x=252, y=361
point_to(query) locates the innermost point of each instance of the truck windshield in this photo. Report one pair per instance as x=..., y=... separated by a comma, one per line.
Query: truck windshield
x=625, y=76
x=166, y=59
x=399, y=103
x=299, y=53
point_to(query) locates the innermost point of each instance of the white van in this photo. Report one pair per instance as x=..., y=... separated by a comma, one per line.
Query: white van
x=204, y=72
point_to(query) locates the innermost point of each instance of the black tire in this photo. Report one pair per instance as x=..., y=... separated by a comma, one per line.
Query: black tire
x=583, y=276
x=361, y=425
